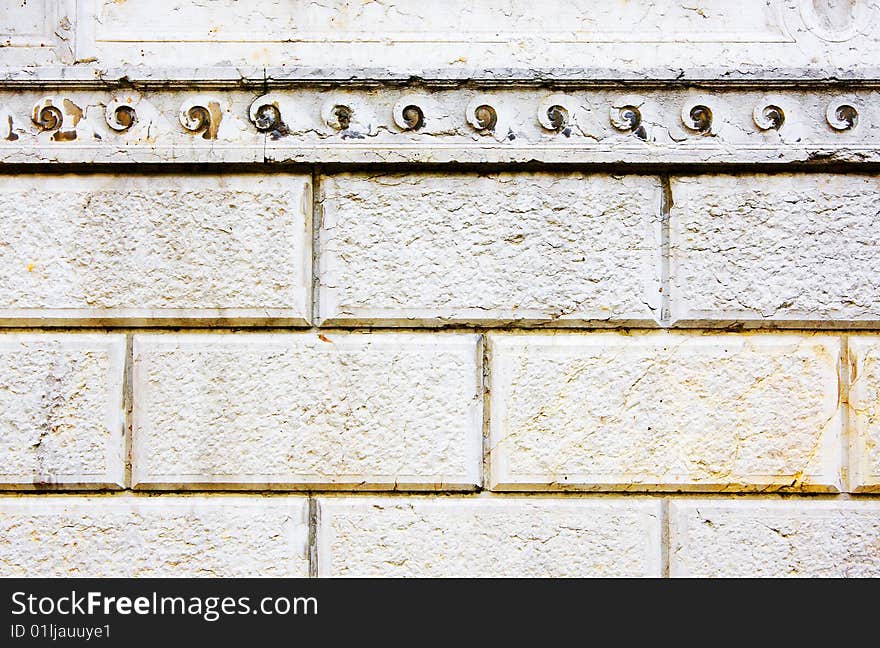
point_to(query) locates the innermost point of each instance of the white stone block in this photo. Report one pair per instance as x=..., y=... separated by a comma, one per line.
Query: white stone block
x=786, y=249
x=754, y=538
x=145, y=248
x=61, y=412
x=525, y=247
x=160, y=537
x=864, y=411
x=609, y=411
x=487, y=537
x=389, y=411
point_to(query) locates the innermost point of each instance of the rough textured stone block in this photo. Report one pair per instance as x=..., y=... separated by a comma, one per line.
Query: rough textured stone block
x=487, y=537
x=141, y=248
x=422, y=249
x=712, y=538
x=153, y=537
x=664, y=411
x=61, y=419
x=297, y=410
x=789, y=248
x=864, y=402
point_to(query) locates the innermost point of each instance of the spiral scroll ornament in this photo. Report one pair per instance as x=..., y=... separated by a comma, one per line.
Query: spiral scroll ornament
x=201, y=115
x=120, y=115
x=842, y=115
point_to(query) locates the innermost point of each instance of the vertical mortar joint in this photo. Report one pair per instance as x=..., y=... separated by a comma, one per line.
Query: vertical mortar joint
x=127, y=406
x=313, y=537
x=666, y=204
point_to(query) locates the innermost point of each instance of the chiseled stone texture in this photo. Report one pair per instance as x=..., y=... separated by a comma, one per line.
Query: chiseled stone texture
x=664, y=412
x=864, y=408
x=61, y=419
x=486, y=537
x=788, y=248
x=714, y=538
x=428, y=248
x=153, y=537
x=298, y=410
x=142, y=247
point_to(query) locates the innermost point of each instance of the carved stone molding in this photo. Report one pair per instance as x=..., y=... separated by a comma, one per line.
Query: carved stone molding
x=201, y=115
x=700, y=114
x=842, y=114
x=770, y=113
x=121, y=114
x=391, y=123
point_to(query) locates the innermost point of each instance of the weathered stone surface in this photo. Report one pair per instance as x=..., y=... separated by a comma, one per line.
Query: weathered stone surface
x=61, y=419
x=153, y=537
x=490, y=180
x=664, y=412
x=864, y=403
x=486, y=537
x=297, y=410
x=213, y=119
x=786, y=249
x=147, y=248
x=423, y=249
x=713, y=538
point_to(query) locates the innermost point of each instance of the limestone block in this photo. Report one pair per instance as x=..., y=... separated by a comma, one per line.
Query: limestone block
x=155, y=248
x=530, y=247
x=864, y=404
x=611, y=411
x=486, y=537
x=713, y=538
x=157, y=537
x=784, y=249
x=61, y=418
x=342, y=410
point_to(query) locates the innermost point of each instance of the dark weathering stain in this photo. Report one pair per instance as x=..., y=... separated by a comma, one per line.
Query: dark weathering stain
x=64, y=136
x=12, y=136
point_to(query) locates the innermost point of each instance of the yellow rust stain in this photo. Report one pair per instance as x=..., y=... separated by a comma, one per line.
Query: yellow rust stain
x=73, y=110
x=64, y=136
x=12, y=136
x=215, y=116
x=262, y=55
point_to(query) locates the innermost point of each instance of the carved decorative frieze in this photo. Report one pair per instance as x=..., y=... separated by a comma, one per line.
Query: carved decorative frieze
x=842, y=115
x=265, y=114
x=698, y=116
x=625, y=114
x=57, y=116
x=121, y=114
x=769, y=113
x=201, y=115
x=365, y=123
x=410, y=112
x=557, y=113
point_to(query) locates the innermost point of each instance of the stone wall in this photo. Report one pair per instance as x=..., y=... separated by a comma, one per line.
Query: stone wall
x=502, y=289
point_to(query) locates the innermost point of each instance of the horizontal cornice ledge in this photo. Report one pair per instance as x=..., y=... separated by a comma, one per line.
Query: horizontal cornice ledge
x=84, y=76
